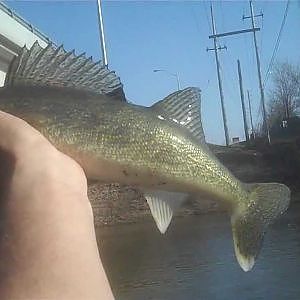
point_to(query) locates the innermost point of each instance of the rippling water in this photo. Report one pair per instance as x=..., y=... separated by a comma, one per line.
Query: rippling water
x=195, y=260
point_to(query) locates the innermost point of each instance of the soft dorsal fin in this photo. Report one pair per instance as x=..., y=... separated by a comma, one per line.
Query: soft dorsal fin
x=53, y=66
x=183, y=108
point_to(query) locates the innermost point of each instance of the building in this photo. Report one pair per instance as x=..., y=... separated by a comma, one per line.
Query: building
x=15, y=32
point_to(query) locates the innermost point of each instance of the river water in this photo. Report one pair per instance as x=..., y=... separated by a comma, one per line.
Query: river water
x=195, y=260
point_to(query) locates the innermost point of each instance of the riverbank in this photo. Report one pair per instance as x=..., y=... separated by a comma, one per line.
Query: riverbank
x=195, y=260
x=114, y=204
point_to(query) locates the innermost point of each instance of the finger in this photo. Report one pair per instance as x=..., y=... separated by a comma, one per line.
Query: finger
x=15, y=132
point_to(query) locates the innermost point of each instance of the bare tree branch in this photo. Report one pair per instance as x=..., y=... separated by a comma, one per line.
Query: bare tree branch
x=284, y=98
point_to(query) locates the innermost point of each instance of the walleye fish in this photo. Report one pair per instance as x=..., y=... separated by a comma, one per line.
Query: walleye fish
x=79, y=106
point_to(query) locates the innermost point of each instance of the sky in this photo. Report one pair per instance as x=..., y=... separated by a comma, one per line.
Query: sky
x=142, y=36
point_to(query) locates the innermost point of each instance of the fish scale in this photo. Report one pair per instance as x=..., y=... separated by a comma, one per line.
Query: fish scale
x=159, y=149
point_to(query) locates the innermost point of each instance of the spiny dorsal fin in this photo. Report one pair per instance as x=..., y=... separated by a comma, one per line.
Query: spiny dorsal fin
x=53, y=66
x=183, y=108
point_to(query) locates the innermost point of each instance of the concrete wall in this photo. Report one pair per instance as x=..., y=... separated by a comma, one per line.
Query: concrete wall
x=15, y=32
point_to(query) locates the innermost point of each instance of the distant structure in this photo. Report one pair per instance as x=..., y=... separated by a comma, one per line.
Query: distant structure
x=15, y=32
x=235, y=140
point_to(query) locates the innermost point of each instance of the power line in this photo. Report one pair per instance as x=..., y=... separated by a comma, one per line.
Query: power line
x=216, y=48
x=196, y=19
x=261, y=35
x=271, y=63
x=206, y=14
x=216, y=35
x=222, y=14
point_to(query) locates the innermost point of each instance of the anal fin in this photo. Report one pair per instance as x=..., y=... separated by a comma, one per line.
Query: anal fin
x=163, y=204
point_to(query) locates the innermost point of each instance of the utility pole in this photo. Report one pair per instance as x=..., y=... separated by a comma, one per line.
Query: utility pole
x=101, y=31
x=243, y=102
x=250, y=112
x=253, y=30
x=219, y=75
x=262, y=96
x=214, y=36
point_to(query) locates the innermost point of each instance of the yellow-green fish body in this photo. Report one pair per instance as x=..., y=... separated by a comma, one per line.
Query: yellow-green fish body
x=139, y=147
x=160, y=149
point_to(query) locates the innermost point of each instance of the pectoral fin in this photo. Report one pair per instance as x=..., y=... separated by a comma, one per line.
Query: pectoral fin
x=163, y=204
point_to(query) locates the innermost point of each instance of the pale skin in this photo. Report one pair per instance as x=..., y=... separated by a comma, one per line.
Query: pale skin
x=48, y=248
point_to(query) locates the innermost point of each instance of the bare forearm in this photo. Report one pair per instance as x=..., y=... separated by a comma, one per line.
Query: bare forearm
x=47, y=241
x=50, y=249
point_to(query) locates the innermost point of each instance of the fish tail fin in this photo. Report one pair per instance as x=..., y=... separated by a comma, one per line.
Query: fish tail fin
x=267, y=201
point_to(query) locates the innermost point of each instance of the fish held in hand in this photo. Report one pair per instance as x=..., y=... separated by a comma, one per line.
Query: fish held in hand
x=80, y=107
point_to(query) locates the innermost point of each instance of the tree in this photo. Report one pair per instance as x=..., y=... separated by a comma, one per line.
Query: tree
x=285, y=94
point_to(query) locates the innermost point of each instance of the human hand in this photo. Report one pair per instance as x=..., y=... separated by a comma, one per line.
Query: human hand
x=48, y=247
x=34, y=163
